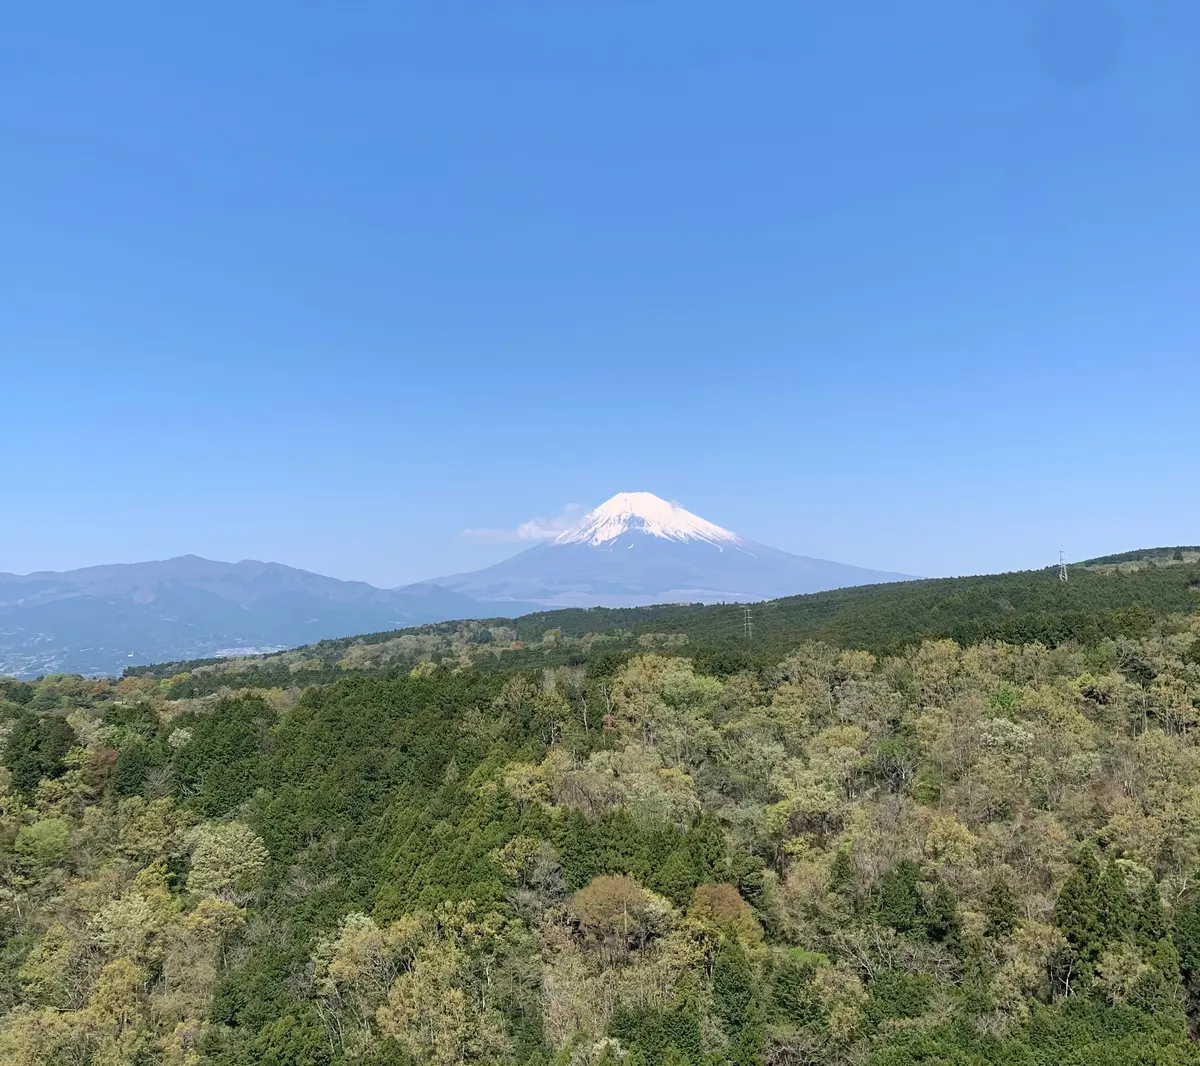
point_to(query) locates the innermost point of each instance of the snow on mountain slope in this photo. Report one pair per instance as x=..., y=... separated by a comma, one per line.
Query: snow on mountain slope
x=645, y=513
x=637, y=548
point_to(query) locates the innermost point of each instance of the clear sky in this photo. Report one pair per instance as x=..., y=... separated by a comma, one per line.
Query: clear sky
x=908, y=285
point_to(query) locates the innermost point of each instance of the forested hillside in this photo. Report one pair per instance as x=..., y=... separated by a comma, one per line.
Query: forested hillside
x=660, y=839
x=1097, y=603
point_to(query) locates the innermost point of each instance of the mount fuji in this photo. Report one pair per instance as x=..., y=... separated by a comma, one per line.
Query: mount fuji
x=637, y=549
x=632, y=550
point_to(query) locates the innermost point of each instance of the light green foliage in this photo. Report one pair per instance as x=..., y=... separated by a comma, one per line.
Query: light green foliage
x=108, y=964
x=641, y=849
x=415, y=982
x=227, y=860
x=43, y=843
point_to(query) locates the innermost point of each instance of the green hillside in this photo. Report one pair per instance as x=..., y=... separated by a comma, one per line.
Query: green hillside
x=1033, y=605
x=1030, y=606
x=945, y=822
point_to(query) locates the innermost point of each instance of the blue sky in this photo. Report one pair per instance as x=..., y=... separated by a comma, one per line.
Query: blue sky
x=912, y=286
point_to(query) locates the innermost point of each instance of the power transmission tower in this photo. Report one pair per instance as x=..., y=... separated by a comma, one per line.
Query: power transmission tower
x=748, y=624
x=1062, y=566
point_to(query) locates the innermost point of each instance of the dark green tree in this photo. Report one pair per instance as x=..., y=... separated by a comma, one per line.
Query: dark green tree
x=1116, y=908
x=1077, y=914
x=733, y=988
x=794, y=997
x=1150, y=925
x=841, y=872
x=942, y=924
x=677, y=877
x=735, y=1000
x=1186, y=937
x=130, y=769
x=896, y=994
x=1000, y=910
x=36, y=749
x=898, y=902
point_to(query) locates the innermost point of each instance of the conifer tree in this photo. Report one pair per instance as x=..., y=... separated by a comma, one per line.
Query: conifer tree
x=1077, y=914
x=1116, y=908
x=733, y=988
x=841, y=872
x=1150, y=924
x=1186, y=936
x=943, y=923
x=1000, y=909
x=898, y=901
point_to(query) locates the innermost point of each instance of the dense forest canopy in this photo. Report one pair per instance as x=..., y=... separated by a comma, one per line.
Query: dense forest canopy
x=942, y=822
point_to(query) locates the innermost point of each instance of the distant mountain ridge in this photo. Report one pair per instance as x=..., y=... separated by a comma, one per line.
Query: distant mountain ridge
x=637, y=549
x=241, y=582
x=100, y=619
x=1020, y=607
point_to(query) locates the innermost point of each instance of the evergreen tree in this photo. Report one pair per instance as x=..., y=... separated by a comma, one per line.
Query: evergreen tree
x=1077, y=915
x=1000, y=910
x=676, y=878
x=733, y=988
x=1157, y=994
x=1186, y=936
x=1150, y=925
x=575, y=842
x=943, y=924
x=132, y=764
x=747, y=1050
x=736, y=1004
x=841, y=872
x=898, y=901
x=1115, y=907
x=794, y=997
x=37, y=746
x=706, y=843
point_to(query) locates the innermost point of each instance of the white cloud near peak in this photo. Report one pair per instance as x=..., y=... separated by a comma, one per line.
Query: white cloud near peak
x=535, y=529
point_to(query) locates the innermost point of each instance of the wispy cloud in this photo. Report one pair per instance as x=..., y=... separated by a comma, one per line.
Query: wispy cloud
x=535, y=529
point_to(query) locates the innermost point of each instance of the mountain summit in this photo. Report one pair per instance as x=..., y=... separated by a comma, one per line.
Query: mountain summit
x=637, y=548
x=643, y=512
x=633, y=549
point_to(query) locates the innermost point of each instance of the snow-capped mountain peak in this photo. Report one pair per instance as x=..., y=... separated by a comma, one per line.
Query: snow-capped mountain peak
x=637, y=549
x=643, y=512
